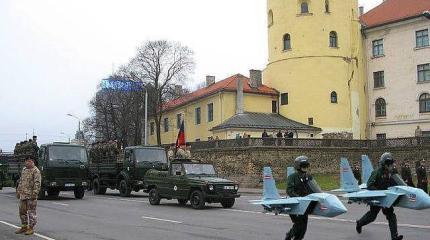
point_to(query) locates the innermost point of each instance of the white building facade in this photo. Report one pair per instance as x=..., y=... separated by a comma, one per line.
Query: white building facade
x=398, y=78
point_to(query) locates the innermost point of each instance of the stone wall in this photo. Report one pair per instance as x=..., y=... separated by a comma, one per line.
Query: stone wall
x=246, y=163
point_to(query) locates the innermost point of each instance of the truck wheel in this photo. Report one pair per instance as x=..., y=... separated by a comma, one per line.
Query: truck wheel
x=98, y=190
x=41, y=195
x=227, y=202
x=79, y=193
x=154, y=197
x=197, y=200
x=182, y=202
x=53, y=193
x=124, y=189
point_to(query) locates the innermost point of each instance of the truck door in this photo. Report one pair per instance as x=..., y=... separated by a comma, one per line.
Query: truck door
x=177, y=182
x=130, y=163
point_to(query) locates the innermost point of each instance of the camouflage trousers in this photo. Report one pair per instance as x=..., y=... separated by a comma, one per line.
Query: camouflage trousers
x=27, y=212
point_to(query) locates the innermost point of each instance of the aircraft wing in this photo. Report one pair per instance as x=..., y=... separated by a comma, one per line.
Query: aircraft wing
x=282, y=201
x=365, y=194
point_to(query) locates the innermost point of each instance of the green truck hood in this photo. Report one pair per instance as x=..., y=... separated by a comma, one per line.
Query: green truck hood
x=212, y=180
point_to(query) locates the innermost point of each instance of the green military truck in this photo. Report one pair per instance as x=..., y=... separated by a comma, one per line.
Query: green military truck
x=188, y=180
x=3, y=171
x=64, y=167
x=126, y=171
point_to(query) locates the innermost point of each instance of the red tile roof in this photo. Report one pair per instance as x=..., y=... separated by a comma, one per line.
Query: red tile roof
x=229, y=84
x=394, y=10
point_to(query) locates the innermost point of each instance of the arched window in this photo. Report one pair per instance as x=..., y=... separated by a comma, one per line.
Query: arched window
x=380, y=108
x=270, y=18
x=425, y=103
x=304, y=7
x=333, y=97
x=287, y=42
x=327, y=6
x=333, y=39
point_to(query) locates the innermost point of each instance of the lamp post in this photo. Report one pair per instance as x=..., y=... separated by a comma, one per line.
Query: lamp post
x=79, y=125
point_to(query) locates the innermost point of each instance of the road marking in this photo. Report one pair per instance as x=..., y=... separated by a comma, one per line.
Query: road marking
x=161, y=220
x=62, y=204
x=334, y=219
x=120, y=199
x=36, y=234
x=4, y=195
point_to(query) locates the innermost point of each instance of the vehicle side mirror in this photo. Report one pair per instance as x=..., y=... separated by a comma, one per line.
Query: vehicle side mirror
x=178, y=173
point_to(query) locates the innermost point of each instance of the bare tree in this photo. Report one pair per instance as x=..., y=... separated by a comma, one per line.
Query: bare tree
x=160, y=65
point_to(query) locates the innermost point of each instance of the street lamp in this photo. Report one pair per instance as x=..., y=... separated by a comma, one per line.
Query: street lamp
x=73, y=116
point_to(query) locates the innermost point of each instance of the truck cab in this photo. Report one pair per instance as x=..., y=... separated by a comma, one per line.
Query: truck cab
x=126, y=173
x=64, y=167
x=191, y=180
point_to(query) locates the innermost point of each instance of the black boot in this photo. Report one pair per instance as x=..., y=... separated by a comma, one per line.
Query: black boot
x=400, y=237
x=288, y=237
x=358, y=228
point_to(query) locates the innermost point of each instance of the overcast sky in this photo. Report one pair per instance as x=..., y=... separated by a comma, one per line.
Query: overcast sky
x=53, y=53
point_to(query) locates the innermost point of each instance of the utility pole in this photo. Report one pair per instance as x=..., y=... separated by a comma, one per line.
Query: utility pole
x=146, y=116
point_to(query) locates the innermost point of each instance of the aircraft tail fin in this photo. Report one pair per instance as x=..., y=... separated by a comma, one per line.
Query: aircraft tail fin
x=270, y=192
x=366, y=168
x=290, y=171
x=347, y=179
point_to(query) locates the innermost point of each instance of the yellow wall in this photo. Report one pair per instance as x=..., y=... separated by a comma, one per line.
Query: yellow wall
x=311, y=70
x=224, y=108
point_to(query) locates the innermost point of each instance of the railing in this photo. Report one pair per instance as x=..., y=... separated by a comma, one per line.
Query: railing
x=311, y=143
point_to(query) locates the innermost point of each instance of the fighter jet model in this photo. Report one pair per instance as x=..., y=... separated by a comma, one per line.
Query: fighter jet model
x=397, y=196
x=349, y=186
x=321, y=204
x=366, y=170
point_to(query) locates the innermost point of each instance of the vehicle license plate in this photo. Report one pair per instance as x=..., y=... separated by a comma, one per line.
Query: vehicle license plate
x=69, y=185
x=228, y=187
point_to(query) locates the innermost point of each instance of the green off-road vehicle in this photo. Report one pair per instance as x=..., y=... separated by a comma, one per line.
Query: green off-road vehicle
x=188, y=180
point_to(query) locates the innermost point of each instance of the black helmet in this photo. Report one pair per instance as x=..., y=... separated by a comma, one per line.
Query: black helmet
x=301, y=162
x=386, y=159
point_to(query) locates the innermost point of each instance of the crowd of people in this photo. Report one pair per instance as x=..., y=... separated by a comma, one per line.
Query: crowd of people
x=100, y=151
x=27, y=148
x=182, y=152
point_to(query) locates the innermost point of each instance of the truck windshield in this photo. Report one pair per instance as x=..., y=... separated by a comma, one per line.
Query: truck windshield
x=150, y=155
x=199, y=169
x=67, y=153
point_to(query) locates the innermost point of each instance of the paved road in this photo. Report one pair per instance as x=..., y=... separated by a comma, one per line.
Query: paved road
x=112, y=217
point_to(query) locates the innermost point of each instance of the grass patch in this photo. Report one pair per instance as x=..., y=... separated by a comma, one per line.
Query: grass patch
x=327, y=182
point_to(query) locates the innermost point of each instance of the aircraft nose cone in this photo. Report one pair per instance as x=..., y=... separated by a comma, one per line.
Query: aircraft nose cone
x=336, y=206
x=424, y=200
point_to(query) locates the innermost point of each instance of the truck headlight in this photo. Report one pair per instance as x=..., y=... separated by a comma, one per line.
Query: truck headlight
x=84, y=184
x=53, y=184
x=211, y=187
x=140, y=183
x=236, y=187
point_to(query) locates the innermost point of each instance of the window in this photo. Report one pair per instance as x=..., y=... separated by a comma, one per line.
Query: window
x=311, y=121
x=151, y=128
x=378, y=79
x=304, y=7
x=380, y=108
x=333, y=97
x=270, y=18
x=424, y=72
x=284, y=99
x=210, y=112
x=327, y=6
x=178, y=120
x=274, y=106
x=166, y=124
x=378, y=48
x=198, y=115
x=333, y=39
x=426, y=133
x=381, y=136
x=422, y=38
x=425, y=103
x=287, y=42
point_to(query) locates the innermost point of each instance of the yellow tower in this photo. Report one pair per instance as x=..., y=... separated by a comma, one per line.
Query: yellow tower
x=316, y=63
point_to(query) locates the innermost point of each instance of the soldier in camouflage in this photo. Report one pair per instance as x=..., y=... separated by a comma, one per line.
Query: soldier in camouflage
x=27, y=191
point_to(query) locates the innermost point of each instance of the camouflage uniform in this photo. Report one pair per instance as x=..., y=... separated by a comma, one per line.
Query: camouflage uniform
x=181, y=154
x=27, y=192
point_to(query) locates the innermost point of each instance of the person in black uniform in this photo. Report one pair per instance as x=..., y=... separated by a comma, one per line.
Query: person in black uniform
x=298, y=187
x=422, y=176
x=406, y=174
x=381, y=179
x=357, y=173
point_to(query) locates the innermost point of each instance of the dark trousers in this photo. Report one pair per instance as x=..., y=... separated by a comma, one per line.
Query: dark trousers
x=300, y=225
x=371, y=215
x=423, y=185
